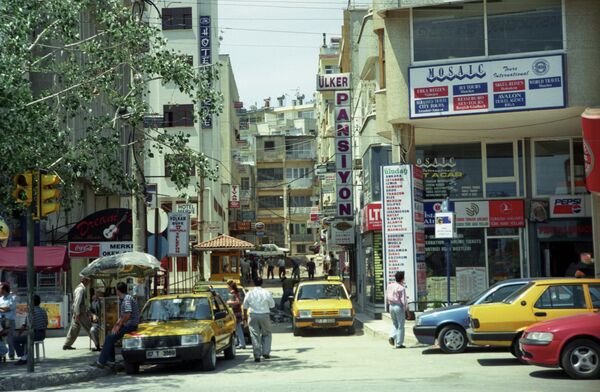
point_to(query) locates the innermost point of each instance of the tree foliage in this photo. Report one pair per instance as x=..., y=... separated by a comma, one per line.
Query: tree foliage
x=74, y=77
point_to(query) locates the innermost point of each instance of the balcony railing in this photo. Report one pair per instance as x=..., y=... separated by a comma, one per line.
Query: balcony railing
x=301, y=154
x=300, y=210
x=269, y=156
x=300, y=183
x=302, y=237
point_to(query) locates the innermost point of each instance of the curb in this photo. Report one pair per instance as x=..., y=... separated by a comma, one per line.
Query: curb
x=381, y=329
x=50, y=379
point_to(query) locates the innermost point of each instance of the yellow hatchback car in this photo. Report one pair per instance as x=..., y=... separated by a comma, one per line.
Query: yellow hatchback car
x=178, y=328
x=501, y=324
x=322, y=304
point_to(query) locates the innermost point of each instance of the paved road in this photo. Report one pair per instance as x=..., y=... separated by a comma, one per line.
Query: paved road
x=327, y=361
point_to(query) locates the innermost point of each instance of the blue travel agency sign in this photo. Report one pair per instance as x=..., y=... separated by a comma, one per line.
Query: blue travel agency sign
x=489, y=86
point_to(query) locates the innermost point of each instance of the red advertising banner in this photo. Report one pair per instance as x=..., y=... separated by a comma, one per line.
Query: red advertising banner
x=372, y=217
x=507, y=213
x=84, y=249
x=590, y=122
x=509, y=85
x=428, y=92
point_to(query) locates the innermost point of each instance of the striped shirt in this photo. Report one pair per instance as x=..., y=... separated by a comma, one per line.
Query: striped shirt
x=40, y=319
x=128, y=305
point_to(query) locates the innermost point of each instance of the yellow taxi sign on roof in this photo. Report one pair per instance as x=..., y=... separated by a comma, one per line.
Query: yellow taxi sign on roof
x=337, y=278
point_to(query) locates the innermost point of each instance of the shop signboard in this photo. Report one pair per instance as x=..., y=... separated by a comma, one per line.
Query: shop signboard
x=342, y=232
x=178, y=234
x=487, y=86
x=113, y=224
x=371, y=217
x=332, y=82
x=403, y=237
x=190, y=208
x=445, y=224
x=507, y=213
x=472, y=214
x=343, y=155
x=430, y=208
x=234, y=197
x=590, y=123
x=569, y=206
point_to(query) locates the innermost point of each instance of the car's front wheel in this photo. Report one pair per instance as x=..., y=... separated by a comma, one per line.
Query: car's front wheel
x=297, y=331
x=131, y=368
x=452, y=339
x=209, y=360
x=231, y=350
x=515, y=350
x=581, y=359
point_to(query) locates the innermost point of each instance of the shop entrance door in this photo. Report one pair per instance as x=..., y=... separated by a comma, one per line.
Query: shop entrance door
x=560, y=258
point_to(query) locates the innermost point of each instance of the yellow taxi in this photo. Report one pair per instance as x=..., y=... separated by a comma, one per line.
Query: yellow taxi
x=501, y=324
x=322, y=304
x=182, y=327
x=222, y=289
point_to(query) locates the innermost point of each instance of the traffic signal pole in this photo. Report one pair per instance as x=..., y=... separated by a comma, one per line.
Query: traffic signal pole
x=30, y=289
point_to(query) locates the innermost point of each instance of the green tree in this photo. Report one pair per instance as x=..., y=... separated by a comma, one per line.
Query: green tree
x=74, y=75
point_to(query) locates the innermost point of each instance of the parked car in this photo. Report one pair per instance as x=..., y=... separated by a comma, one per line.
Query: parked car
x=182, y=327
x=572, y=343
x=502, y=324
x=322, y=304
x=448, y=325
x=222, y=289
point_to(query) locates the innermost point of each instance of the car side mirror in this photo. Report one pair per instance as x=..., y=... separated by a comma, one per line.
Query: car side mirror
x=523, y=303
x=220, y=315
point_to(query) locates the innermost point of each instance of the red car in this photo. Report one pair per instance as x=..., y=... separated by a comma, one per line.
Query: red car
x=572, y=343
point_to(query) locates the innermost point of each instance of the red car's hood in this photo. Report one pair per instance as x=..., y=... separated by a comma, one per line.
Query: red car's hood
x=588, y=321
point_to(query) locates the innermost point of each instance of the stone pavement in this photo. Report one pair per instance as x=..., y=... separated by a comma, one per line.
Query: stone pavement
x=58, y=368
x=381, y=328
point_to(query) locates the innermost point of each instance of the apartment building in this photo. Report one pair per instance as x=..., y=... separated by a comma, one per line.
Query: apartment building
x=486, y=98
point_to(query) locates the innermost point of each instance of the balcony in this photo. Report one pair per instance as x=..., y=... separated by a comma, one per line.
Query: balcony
x=269, y=156
x=302, y=238
x=301, y=155
x=300, y=210
x=300, y=183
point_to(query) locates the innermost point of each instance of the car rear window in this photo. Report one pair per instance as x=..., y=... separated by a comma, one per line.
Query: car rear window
x=513, y=297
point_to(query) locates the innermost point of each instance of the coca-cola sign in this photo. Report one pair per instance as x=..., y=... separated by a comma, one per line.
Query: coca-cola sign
x=84, y=249
x=108, y=225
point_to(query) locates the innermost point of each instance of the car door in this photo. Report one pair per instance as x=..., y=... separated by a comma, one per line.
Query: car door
x=223, y=325
x=594, y=296
x=560, y=300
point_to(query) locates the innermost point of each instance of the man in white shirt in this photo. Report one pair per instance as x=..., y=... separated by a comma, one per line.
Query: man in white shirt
x=281, y=267
x=258, y=304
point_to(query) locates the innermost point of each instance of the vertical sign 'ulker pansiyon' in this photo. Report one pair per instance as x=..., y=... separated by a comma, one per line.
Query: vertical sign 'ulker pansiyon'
x=343, y=154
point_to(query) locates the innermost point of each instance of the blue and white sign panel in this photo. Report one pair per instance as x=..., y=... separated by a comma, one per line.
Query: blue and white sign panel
x=487, y=86
x=205, y=41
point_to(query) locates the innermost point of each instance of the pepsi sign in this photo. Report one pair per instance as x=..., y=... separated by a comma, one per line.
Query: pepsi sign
x=567, y=206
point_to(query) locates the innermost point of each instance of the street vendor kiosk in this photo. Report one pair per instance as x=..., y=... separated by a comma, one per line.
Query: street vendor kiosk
x=225, y=257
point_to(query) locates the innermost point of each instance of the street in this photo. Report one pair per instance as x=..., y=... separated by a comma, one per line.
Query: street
x=323, y=360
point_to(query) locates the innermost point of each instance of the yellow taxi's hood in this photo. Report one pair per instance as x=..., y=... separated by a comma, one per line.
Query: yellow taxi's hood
x=323, y=304
x=170, y=328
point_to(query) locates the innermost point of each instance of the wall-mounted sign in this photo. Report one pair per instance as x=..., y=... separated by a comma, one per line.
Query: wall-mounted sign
x=590, y=123
x=507, y=213
x=472, y=213
x=371, y=217
x=179, y=234
x=342, y=233
x=343, y=155
x=445, y=224
x=487, y=86
x=234, y=197
x=403, y=235
x=205, y=58
x=568, y=206
x=110, y=225
x=190, y=208
x=330, y=82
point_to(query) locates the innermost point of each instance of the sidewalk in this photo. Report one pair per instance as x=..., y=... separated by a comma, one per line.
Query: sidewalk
x=381, y=328
x=59, y=368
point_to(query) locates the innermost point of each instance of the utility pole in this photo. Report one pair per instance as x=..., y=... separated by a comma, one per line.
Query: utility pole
x=30, y=286
x=201, y=226
x=138, y=202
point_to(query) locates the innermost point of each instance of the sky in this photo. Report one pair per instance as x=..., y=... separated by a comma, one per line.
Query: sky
x=273, y=63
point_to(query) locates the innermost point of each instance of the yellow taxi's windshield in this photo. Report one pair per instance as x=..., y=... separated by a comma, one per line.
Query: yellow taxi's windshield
x=177, y=309
x=322, y=291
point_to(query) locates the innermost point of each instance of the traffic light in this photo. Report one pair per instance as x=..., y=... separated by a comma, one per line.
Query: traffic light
x=48, y=196
x=23, y=192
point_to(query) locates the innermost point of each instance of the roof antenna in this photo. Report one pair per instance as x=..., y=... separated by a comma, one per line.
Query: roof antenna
x=324, y=40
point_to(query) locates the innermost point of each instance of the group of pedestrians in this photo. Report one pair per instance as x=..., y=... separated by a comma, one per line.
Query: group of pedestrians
x=16, y=339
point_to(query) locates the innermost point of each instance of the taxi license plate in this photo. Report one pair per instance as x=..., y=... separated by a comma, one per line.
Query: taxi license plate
x=324, y=321
x=151, y=354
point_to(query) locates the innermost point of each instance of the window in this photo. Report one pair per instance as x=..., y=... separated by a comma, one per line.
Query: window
x=269, y=145
x=552, y=167
x=503, y=292
x=595, y=295
x=292, y=173
x=562, y=297
x=301, y=248
x=329, y=69
x=178, y=116
x=177, y=18
x=448, y=31
x=298, y=228
x=458, y=30
x=500, y=162
x=504, y=258
x=381, y=57
x=270, y=174
x=300, y=201
x=245, y=183
x=517, y=26
x=270, y=202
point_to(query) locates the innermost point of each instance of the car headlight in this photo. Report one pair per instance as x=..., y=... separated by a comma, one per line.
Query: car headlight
x=539, y=337
x=190, y=340
x=132, y=343
x=304, y=313
x=346, y=312
x=418, y=321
